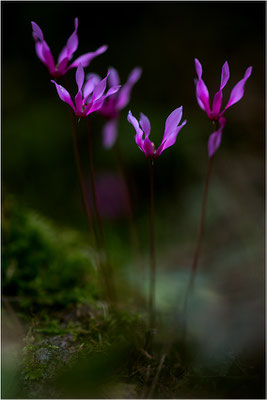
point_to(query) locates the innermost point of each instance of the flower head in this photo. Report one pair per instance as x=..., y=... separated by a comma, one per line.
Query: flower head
x=114, y=104
x=215, y=113
x=169, y=137
x=60, y=69
x=90, y=96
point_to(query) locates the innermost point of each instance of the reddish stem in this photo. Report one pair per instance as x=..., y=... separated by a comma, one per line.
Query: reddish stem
x=152, y=248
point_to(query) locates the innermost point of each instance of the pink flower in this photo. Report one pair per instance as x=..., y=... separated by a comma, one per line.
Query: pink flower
x=115, y=103
x=60, y=69
x=216, y=114
x=169, y=137
x=90, y=96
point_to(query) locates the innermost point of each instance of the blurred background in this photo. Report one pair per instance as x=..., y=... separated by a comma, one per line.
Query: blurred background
x=38, y=167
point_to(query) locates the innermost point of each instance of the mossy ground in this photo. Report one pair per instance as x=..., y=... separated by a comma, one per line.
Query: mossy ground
x=61, y=339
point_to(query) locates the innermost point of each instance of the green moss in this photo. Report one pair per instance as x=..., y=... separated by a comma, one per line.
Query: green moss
x=44, y=265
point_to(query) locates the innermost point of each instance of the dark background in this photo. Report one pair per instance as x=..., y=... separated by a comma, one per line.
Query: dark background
x=163, y=38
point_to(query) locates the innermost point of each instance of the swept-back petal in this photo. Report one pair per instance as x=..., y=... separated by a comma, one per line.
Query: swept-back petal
x=113, y=79
x=48, y=57
x=96, y=105
x=172, y=121
x=148, y=148
x=198, y=68
x=217, y=103
x=85, y=59
x=225, y=75
x=79, y=76
x=112, y=90
x=202, y=95
x=37, y=32
x=202, y=92
x=64, y=94
x=214, y=142
x=92, y=81
x=124, y=94
x=100, y=88
x=79, y=102
x=145, y=124
x=238, y=91
x=215, y=138
x=139, y=132
x=110, y=132
x=71, y=45
x=170, y=140
x=39, y=51
x=61, y=67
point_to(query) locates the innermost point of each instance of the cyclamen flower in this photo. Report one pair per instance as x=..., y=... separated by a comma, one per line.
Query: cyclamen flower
x=215, y=114
x=60, y=69
x=112, y=106
x=169, y=137
x=90, y=96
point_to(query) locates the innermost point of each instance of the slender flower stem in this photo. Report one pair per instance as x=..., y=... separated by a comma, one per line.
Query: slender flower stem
x=196, y=255
x=82, y=180
x=126, y=179
x=106, y=266
x=200, y=230
x=152, y=249
x=86, y=200
x=202, y=220
x=85, y=196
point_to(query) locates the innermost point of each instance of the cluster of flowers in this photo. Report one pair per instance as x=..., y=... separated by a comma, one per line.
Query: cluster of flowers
x=91, y=96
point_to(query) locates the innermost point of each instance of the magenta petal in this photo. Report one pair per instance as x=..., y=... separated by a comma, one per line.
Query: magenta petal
x=113, y=79
x=79, y=77
x=225, y=75
x=96, y=105
x=170, y=140
x=198, y=68
x=145, y=124
x=215, y=138
x=134, y=75
x=71, y=45
x=85, y=59
x=49, y=60
x=79, y=102
x=64, y=95
x=112, y=90
x=92, y=81
x=202, y=92
x=139, y=132
x=172, y=121
x=148, y=148
x=214, y=142
x=238, y=91
x=133, y=121
x=37, y=32
x=99, y=89
x=217, y=102
x=39, y=51
x=61, y=67
x=110, y=131
x=124, y=94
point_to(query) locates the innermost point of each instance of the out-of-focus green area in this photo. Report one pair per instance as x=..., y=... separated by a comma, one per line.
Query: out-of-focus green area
x=47, y=257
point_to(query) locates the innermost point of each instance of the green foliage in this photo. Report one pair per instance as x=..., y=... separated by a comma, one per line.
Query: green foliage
x=43, y=265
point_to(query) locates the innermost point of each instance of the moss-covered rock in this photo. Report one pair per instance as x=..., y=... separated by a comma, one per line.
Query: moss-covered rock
x=42, y=264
